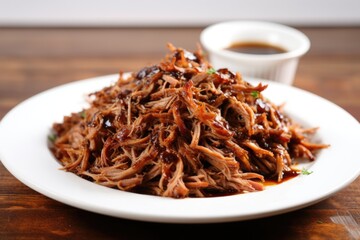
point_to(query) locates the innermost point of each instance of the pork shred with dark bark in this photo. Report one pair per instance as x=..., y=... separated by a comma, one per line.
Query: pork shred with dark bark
x=181, y=129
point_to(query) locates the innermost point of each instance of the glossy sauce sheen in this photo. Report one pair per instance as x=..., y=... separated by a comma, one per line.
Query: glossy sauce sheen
x=287, y=176
x=258, y=48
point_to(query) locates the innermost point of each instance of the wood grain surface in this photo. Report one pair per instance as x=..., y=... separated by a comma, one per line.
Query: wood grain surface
x=33, y=60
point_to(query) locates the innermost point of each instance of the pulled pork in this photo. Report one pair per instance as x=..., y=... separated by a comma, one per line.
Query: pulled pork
x=181, y=129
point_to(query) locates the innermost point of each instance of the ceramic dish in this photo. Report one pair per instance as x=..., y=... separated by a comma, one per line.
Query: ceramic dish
x=276, y=67
x=24, y=152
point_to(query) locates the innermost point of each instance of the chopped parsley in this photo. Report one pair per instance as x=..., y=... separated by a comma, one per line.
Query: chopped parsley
x=82, y=114
x=304, y=171
x=255, y=94
x=211, y=71
x=52, y=137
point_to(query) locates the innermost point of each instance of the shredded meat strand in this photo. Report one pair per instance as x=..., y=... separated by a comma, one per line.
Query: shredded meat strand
x=182, y=129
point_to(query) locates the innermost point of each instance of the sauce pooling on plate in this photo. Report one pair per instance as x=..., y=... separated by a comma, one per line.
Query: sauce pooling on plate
x=258, y=48
x=287, y=175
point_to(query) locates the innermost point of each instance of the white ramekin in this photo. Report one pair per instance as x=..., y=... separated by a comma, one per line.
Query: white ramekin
x=277, y=67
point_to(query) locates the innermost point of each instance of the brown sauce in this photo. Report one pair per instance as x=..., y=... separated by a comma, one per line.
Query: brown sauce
x=287, y=176
x=258, y=48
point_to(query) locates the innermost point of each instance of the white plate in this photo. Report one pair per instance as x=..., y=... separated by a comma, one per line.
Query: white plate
x=24, y=152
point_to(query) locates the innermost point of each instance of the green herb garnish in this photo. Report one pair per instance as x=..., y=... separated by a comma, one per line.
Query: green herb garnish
x=211, y=71
x=255, y=94
x=82, y=114
x=304, y=171
x=52, y=137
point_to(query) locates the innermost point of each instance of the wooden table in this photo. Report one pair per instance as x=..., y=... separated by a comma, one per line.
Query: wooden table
x=33, y=60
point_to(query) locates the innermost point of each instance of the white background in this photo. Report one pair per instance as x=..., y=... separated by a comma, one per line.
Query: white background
x=169, y=13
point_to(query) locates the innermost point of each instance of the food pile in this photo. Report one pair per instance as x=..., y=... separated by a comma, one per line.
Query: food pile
x=180, y=129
